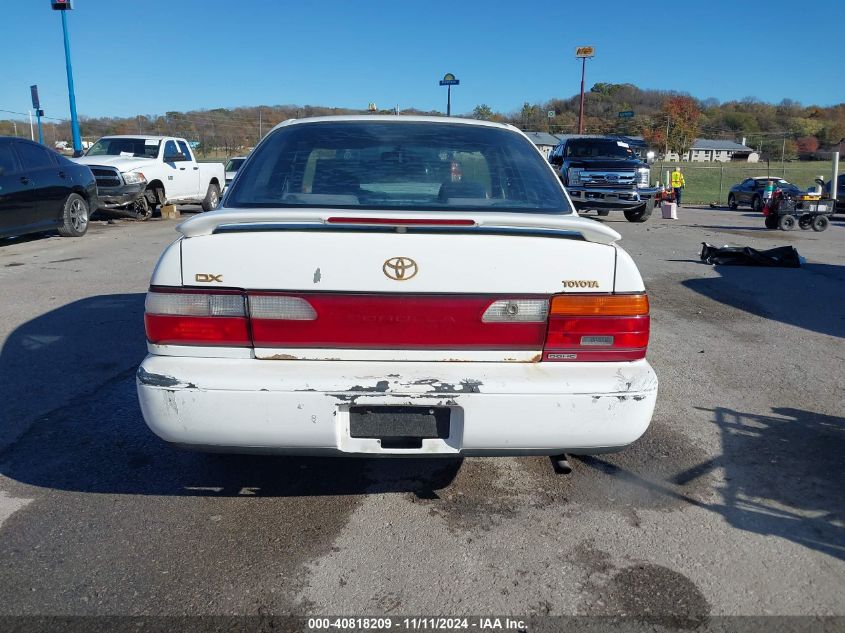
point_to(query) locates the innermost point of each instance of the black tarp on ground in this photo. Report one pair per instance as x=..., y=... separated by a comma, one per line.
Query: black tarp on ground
x=782, y=256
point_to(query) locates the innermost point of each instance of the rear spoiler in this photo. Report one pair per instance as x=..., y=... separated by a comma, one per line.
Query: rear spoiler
x=225, y=220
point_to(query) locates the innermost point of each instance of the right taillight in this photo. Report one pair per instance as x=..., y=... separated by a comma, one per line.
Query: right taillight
x=592, y=327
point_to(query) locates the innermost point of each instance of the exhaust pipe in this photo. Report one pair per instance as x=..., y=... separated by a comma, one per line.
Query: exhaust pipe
x=561, y=465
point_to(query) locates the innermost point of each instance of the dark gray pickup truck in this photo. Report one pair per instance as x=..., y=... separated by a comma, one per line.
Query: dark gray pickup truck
x=604, y=174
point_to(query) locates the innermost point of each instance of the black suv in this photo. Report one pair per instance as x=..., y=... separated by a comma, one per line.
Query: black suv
x=604, y=173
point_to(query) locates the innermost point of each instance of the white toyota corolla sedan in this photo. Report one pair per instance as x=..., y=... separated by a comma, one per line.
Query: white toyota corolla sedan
x=392, y=285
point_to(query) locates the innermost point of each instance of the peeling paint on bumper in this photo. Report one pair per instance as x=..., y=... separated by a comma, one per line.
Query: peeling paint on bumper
x=303, y=406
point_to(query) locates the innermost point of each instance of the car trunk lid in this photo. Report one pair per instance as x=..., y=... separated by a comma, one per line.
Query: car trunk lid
x=334, y=285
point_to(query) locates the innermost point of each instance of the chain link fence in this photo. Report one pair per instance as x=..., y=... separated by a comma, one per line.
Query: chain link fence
x=708, y=183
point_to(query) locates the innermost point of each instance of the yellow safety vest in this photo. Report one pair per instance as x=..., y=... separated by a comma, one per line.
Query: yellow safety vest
x=677, y=179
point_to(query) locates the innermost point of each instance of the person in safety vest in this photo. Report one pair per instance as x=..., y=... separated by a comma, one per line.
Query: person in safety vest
x=678, y=184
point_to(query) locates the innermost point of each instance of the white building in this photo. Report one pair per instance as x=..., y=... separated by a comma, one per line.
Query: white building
x=705, y=150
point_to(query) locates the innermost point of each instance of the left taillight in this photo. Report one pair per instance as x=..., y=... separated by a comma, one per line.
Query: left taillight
x=196, y=317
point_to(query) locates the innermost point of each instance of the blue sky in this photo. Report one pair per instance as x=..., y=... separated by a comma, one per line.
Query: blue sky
x=151, y=56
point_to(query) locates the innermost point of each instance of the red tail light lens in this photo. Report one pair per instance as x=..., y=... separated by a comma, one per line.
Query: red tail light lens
x=597, y=328
x=397, y=321
x=195, y=317
x=569, y=327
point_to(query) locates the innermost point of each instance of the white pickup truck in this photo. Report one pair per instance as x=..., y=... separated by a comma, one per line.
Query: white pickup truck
x=136, y=173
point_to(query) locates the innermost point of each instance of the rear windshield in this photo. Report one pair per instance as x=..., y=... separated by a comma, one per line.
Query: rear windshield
x=398, y=165
x=234, y=164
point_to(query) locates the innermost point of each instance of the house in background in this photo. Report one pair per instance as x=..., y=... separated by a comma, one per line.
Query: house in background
x=703, y=150
x=544, y=141
x=706, y=150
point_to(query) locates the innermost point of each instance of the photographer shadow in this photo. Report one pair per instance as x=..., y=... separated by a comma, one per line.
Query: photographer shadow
x=81, y=359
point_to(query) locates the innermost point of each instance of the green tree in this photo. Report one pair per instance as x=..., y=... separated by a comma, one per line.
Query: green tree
x=483, y=112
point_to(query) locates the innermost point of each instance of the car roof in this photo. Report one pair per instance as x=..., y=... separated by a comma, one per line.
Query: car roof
x=153, y=136
x=395, y=119
x=21, y=139
x=768, y=178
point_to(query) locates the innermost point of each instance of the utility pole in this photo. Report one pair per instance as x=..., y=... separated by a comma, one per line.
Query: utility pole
x=31, y=129
x=36, y=104
x=139, y=124
x=260, y=125
x=666, y=155
x=581, y=107
x=16, y=127
x=782, y=156
x=582, y=53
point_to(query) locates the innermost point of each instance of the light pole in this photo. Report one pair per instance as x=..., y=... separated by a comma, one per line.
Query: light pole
x=582, y=53
x=449, y=81
x=64, y=6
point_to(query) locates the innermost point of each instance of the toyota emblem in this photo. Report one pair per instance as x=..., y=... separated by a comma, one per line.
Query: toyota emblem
x=400, y=268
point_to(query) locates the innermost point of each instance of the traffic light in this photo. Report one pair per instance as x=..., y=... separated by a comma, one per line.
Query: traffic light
x=61, y=5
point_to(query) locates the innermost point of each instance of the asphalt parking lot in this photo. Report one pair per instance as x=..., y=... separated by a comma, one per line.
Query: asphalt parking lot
x=731, y=504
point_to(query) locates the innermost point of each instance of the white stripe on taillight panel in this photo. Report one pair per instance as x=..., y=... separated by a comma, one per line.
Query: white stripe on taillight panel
x=517, y=311
x=596, y=340
x=189, y=317
x=190, y=304
x=281, y=308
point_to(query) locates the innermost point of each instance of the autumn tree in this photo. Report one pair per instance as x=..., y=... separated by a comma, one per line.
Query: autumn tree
x=654, y=135
x=683, y=122
x=807, y=145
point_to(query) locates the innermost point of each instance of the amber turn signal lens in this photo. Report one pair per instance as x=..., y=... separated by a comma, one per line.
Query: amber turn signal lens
x=599, y=305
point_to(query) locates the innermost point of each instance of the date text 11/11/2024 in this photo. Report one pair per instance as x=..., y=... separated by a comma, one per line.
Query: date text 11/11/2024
x=417, y=623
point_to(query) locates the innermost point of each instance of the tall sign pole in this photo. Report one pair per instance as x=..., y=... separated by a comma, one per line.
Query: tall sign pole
x=582, y=53
x=36, y=105
x=64, y=6
x=449, y=81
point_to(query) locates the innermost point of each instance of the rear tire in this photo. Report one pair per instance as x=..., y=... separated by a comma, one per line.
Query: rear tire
x=757, y=204
x=212, y=198
x=771, y=221
x=786, y=222
x=640, y=214
x=603, y=212
x=74, y=216
x=820, y=223
x=732, y=204
x=805, y=222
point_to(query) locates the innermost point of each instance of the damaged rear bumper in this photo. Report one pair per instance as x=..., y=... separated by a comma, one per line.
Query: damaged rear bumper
x=249, y=405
